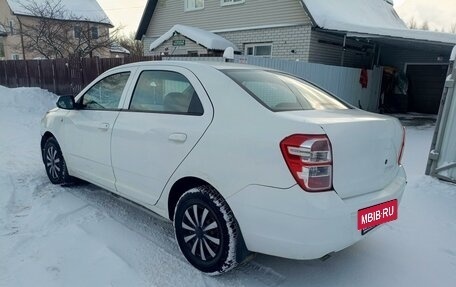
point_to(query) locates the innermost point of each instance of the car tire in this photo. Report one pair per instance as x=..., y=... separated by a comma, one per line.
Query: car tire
x=54, y=163
x=207, y=232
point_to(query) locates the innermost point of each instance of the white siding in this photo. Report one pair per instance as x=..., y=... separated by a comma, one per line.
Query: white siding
x=251, y=13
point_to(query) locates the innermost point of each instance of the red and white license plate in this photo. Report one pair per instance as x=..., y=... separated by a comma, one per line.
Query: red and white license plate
x=377, y=214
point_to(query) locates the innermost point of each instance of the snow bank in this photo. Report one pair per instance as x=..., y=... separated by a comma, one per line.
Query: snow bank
x=204, y=38
x=31, y=101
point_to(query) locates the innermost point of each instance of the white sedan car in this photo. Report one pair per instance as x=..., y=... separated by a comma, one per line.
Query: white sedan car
x=242, y=159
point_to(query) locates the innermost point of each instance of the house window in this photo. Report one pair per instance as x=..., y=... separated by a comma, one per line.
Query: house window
x=77, y=32
x=260, y=50
x=191, y=5
x=11, y=27
x=15, y=57
x=231, y=2
x=94, y=32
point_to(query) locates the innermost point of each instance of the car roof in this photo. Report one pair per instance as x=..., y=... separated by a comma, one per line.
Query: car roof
x=194, y=64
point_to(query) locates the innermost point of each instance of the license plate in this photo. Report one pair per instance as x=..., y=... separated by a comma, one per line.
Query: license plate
x=377, y=214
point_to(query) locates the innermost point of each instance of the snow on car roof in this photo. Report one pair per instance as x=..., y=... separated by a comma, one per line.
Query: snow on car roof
x=202, y=37
x=366, y=18
x=85, y=10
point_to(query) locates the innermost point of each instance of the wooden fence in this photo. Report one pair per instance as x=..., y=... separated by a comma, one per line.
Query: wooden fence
x=60, y=76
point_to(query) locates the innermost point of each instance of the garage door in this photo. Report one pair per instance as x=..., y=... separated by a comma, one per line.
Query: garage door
x=425, y=87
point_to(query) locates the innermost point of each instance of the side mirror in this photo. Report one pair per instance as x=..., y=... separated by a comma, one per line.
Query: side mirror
x=66, y=103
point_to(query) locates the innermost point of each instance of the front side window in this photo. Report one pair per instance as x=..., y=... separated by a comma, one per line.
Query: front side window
x=194, y=5
x=260, y=50
x=282, y=92
x=106, y=94
x=165, y=92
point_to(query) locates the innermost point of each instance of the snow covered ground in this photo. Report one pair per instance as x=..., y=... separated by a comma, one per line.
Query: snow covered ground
x=82, y=236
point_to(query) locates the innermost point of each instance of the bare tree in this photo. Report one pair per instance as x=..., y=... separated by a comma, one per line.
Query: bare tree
x=135, y=47
x=425, y=26
x=412, y=23
x=52, y=31
x=453, y=28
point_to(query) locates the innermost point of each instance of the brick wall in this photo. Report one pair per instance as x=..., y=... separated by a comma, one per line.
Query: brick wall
x=283, y=39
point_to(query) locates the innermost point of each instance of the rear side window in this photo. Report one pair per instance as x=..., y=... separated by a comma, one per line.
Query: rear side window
x=281, y=92
x=166, y=92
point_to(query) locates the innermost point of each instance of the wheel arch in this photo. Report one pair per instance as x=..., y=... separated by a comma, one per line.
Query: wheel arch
x=179, y=188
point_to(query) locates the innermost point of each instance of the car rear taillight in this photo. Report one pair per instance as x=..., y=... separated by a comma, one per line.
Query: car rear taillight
x=401, y=152
x=309, y=158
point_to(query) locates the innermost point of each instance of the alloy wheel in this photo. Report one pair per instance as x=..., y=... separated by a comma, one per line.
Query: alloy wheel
x=201, y=232
x=52, y=162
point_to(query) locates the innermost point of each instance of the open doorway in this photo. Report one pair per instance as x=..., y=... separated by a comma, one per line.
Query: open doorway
x=426, y=83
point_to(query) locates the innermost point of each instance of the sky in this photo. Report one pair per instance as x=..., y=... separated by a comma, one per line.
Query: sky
x=126, y=14
x=439, y=13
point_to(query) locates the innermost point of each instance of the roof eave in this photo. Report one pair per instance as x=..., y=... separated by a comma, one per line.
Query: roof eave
x=67, y=20
x=312, y=19
x=377, y=36
x=145, y=19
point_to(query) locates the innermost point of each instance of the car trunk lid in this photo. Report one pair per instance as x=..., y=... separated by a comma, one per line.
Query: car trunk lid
x=365, y=148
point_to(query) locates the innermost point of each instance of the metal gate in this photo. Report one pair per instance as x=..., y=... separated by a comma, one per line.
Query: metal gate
x=442, y=157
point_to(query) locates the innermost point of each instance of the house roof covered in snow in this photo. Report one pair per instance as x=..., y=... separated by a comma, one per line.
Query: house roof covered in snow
x=365, y=18
x=204, y=38
x=116, y=48
x=80, y=10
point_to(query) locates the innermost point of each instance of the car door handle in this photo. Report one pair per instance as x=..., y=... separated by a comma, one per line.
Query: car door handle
x=178, y=137
x=103, y=126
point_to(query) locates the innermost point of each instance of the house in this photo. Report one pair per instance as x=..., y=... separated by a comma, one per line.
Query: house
x=71, y=30
x=351, y=33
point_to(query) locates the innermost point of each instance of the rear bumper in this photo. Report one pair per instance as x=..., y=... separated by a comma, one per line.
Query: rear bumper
x=294, y=224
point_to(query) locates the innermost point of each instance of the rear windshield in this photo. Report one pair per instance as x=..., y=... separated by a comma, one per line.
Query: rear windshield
x=282, y=92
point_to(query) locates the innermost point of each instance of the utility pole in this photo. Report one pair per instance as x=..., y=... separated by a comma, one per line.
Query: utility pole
x=22, y=38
